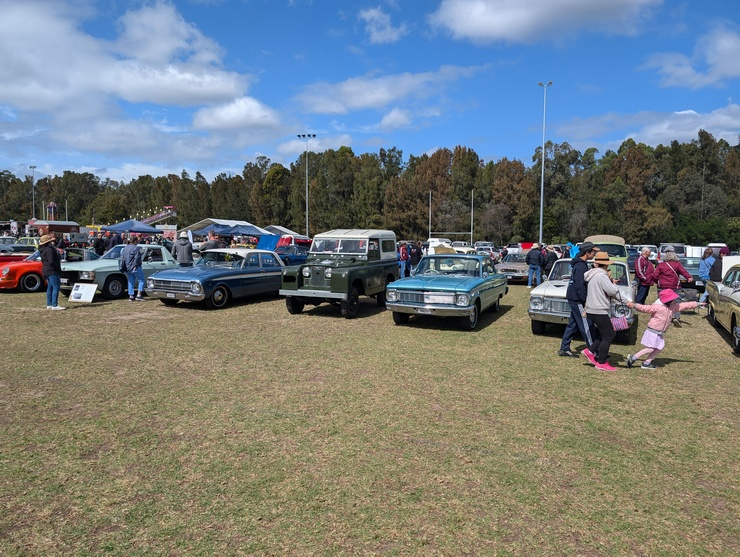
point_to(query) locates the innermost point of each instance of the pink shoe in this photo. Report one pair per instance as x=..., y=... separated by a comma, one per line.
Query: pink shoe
x=589, y=355
x=606, y=366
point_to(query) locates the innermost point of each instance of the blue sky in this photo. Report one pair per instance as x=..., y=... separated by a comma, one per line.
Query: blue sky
x=123, y=88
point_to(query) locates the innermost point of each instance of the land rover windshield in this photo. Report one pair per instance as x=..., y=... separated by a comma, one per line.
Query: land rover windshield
x=339, y=246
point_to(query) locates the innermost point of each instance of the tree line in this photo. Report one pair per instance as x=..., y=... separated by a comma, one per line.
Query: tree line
x=683, y=192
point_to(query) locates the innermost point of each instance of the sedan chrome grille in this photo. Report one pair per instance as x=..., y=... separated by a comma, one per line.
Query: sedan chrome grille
x=171, y=285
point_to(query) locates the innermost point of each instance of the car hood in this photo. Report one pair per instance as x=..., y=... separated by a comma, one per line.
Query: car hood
x=554, y=289
x=95, y=265
x=194, y=273
x=436, y=283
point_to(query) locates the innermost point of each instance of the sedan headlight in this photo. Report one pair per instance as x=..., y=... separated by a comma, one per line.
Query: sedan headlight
x=196, y=288
x=462, y=299
x=536, y=302
x=306, y=272
x=150, y=283
x=5, y=272
x=87, y=275
x=391, y=295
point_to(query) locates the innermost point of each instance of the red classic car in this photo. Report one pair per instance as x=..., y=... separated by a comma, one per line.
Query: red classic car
x=26, y=276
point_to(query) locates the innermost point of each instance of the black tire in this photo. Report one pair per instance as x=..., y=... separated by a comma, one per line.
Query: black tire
x=627, y=337
x=116, y=286
x=168, y=302
x=294, y=304
x=349, y=306
x=469, y=322
x=496, y=306
x=735, y=340
x=400, y=318
x=380, y=299
x=31, y=282
x=218, y=298
x=538, y=327
x=712, y=317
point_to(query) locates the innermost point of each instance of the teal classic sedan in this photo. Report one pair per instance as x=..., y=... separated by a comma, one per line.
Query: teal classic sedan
x=445, y=285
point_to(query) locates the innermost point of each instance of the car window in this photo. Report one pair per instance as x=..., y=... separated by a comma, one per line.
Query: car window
x=154, y=254
x=253, y=260
x=731, y=277
x=268, y=260
x=614, y=250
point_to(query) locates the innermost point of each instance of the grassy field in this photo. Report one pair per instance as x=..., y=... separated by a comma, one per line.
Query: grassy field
x=139, y=429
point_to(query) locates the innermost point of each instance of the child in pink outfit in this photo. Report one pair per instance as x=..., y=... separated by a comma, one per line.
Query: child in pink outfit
x=661, y=316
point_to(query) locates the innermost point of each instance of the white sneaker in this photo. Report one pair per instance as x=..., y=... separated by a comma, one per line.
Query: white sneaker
x=49, y=307
x=58, y=308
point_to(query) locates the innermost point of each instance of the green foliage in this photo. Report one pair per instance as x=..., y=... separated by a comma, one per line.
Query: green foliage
x=683, y=191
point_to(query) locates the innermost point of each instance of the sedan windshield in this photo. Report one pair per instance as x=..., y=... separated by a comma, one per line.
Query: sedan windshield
x=446, y=265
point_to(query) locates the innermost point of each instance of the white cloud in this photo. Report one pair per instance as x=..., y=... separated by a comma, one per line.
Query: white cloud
x=715, y=59
x=378, y=26
x=486, y=21
x=609, y=131
x=377, y=92
x=239, y=114
x=396, y=118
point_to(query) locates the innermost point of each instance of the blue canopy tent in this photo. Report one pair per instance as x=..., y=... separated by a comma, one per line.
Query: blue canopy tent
x=227, y=230
x=132, y=225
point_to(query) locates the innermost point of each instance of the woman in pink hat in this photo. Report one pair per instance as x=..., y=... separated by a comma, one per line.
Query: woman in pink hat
x=661, y=312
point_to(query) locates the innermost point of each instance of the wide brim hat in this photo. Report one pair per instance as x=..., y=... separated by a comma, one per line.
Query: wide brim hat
x=668, y=296
x=602, y=258
x=45, y=239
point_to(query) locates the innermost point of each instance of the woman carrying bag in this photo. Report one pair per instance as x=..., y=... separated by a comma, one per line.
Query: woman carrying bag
x=601, y=289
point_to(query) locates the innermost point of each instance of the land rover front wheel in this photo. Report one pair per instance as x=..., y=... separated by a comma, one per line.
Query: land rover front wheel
x=349, y=306
x=294, y=305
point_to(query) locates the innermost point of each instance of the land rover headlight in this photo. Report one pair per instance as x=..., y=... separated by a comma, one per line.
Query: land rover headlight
x=327, y=272
x=87, y=275
x=536, y=302
x=618, y=310
x=196, y=288
x=150, y=283
x=391, y=295
x=306, y=272
x=462, y=299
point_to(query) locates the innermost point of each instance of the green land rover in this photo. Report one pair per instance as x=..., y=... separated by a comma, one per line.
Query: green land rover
x=342, y=265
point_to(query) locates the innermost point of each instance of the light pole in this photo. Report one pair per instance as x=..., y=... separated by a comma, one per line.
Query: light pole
x=33, y=190
x=542, y=160
x=306, y=136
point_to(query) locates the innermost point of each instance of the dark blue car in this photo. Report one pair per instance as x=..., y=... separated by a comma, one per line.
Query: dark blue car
x=292, y=255
x=219, y=276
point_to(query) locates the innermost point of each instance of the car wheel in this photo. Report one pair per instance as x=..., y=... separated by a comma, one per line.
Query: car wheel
x=115, y=287
x=218, y=298
x=400, y=318
x=349, y=306
x=496, y=306
x=538, y=327
x=469, y=322
x=713, y=316
x=294, y=304
x=168, y=302
x=735, y=339
x=31, y=282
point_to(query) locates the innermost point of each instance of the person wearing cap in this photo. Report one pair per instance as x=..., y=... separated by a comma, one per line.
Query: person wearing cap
x=601, y=289
x=715, y=271
x=576, y=296
x=661, y=313
x=182, y=250
x=535, y=260
x=51, y=268
x=668, y=275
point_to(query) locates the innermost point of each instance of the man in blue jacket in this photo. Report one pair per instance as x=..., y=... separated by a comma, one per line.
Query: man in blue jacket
x=576, y=295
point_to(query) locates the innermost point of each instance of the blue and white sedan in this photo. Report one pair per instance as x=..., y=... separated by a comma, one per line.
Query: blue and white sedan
x=221, y=275
x=447, y=285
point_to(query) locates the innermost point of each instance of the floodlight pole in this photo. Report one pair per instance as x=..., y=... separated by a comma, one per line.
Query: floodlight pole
x=542, y=158
x=33, y=190
x=306, y=136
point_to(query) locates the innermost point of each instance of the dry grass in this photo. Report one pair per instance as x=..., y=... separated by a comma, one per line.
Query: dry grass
x=139, y=429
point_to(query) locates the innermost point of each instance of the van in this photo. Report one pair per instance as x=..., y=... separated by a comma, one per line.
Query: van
x=612, y=245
